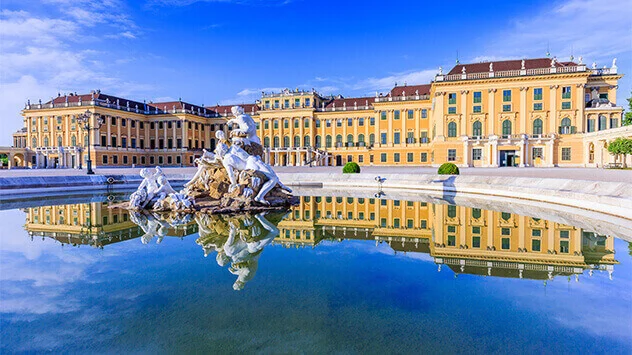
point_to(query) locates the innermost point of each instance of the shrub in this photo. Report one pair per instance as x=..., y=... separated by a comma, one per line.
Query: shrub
x=351, y=168
x=448, y=169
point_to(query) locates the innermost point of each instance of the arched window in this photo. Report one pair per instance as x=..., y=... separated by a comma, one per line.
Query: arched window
x=476, y=213
x=317, y=141
x=451, y=211
x=276, y=141
x=73, y=141
x=297, y=140
x=338, y=140
x=306, y=141
x=34, y=143
x=46, y=142
x=361, y=140
x=59, y=144
x=565, y=126
x=603, y=122
x=505, y=216
x=452, y=129
x=328, y=141
x=286, y=141
x=266, y=142
x=372, y=138
x=477, y=129
x=506, y=128
x=276, y=124
x=537, y=126
x=349, y=140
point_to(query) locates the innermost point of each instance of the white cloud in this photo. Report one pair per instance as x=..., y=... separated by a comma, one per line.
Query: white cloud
x=388, y=82
x=51, y=52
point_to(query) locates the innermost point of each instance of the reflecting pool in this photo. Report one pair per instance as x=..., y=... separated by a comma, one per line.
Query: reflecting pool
x=333, y=274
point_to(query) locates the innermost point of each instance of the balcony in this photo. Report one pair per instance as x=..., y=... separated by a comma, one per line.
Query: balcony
x=523, y=72
x=402, y=98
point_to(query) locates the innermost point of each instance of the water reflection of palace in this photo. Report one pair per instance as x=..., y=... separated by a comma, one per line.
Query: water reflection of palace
x=467, y=240
x=91, y=224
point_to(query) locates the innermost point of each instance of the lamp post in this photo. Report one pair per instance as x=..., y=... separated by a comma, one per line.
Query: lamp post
x=84, y=122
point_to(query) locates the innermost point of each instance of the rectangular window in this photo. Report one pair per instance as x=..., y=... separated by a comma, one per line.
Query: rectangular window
x=566, y=105
x=478, y=97
x=409, y=157
x=383, y=222
x=536, y=245
x=424, y=157
x=476, y=242
x=506, y=108
x=105, y=159
x=396, y=223
x=372, y=216
x=276, y=103
x=536, y=233
x=424, y=113
x=133, y=141
x=115, y=159
x=476, y=230
x=372, y=121
x=537, y=94
x=423, y=224
x=383, y=138
x=506, y=95
x=451, y=229
x=383, y=115
x=452, y=110
x=104, y=141
x=411, y=114
x=477, y=109
x=286, y=103
x=396, y=157
x=396, y=138
x=505, y=231
x=566, y=153
x=360, y=158
x=504, y=243
x=566, y=92
x=410, y=223
x=396, y=114
x=267, y=105
x=124, y=142
x=564, y=246
x=565, y=234
x=383, y=157
x=307, y=102
x=451, y=154
x=125, y=159
x=451, y=240
x=297, y=102
x=452, y=98
x=537, y=106
x=477, y=154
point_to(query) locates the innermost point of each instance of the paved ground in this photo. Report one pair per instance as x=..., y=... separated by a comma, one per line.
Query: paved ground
x=564, y=173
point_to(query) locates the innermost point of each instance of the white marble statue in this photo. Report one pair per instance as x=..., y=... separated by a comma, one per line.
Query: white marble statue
x=247, y=131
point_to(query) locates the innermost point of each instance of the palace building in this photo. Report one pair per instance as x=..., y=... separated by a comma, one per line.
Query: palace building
x=532, y=112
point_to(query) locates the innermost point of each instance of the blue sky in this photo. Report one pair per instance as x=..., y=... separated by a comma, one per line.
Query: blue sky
x=226, y=51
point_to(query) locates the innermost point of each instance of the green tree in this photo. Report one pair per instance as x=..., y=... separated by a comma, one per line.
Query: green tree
x=627, y=118
x=620, y=146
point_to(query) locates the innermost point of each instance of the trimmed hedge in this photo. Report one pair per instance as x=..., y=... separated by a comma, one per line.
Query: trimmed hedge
x=351, y=168
x=448, y=169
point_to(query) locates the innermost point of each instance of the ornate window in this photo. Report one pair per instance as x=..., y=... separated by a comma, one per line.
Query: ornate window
x=506, y=128
x=477, y=129
x=603, y=122
x=537, y=126
x=59, y=143
x=276, y=141
x=317, y=141
x=73, y=141
x=565, y=126
x=286, y=141
x=306, y=141
x=34, y=142
x=452, y=129
x=328, y=141
x=349, y=140
x=361, y=140
x=266, y=142
x=297, y=141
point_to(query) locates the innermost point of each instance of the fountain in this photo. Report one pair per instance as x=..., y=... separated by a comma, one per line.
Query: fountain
x=232, y=178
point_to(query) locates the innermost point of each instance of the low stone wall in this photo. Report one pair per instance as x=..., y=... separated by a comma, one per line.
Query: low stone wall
x=613, y=198
x=608, y=197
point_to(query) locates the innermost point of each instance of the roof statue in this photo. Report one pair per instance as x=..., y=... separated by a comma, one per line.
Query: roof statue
x=230, y=179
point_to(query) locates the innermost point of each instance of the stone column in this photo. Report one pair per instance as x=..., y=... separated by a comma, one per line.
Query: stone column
x=466, y=152
x=493, y=141
x=185, y=139
x=550, y=145
x=523, y=151
x=173, y=138
x=491, y=102
x=108, y=123
x=553, y=109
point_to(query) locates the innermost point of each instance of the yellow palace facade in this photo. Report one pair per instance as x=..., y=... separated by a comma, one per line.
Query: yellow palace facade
x=533, y=112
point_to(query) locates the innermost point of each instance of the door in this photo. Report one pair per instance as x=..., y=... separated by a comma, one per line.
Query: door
x=507, y=157
x=338, y=160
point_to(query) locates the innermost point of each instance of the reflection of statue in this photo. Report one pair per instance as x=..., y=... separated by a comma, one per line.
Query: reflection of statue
x=152, y=225
x=238, y=241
